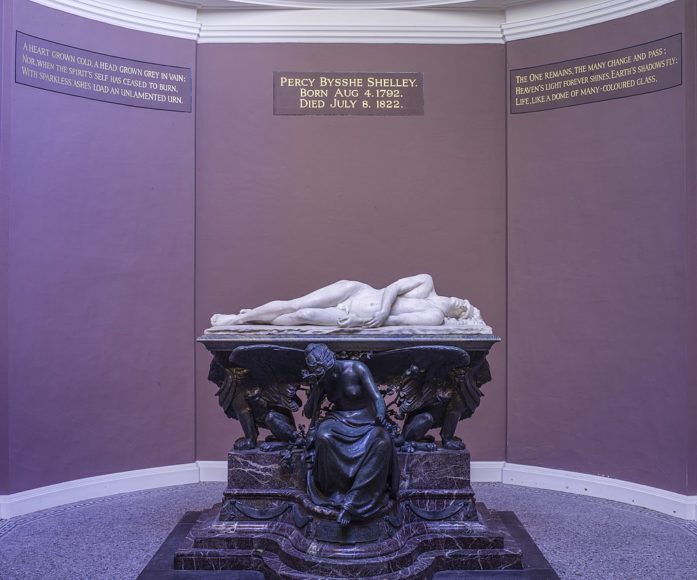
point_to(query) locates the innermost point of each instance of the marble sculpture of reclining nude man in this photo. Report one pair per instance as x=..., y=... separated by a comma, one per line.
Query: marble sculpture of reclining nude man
x=409, y=301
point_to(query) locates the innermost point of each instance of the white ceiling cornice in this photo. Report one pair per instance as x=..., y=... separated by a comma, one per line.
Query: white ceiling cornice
x=352, y=34
x=342, y=4
x=151, y=17
x=528, y=21
x=326, y=21
x=359, y=26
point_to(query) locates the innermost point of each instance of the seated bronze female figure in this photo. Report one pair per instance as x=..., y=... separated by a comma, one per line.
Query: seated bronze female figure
x=354, y=468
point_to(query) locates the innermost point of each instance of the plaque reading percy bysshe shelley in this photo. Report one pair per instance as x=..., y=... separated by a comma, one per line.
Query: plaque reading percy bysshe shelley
x=372, y=94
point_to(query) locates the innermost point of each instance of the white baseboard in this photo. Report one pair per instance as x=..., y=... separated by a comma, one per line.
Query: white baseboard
x=660, y=500
x=212, y=470
x=667, y=502
x=653, y=498
x=41, y=498
x=486, y=471
x=481, y=471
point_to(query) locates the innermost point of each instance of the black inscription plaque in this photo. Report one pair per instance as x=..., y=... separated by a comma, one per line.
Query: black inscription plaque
x=644, y=68
x=316, y=93
x=82, y=73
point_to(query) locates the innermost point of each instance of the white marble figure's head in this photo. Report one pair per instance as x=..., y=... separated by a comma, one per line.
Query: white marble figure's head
x=458, y=308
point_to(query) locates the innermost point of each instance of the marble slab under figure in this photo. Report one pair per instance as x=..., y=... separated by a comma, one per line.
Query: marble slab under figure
x=349, y=380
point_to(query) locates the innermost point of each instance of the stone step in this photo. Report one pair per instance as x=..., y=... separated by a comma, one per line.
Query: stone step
x=437, y=547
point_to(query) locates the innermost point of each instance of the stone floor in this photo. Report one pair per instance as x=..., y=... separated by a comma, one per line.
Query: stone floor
x=115, y=537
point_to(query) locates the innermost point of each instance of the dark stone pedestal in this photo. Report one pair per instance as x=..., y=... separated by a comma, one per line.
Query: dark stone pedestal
x=266, y=523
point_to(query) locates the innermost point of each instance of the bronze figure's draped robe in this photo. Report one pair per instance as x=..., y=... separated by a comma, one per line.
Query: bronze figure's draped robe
x=355, y=466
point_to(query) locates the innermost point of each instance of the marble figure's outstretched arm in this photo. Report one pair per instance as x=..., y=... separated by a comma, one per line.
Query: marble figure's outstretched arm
x=420, y=286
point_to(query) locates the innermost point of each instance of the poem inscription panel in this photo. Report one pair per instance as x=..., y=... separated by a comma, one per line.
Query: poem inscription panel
x=644, y=68
x=74, y=71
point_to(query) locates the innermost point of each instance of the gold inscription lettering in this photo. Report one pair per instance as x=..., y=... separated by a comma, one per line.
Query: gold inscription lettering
x=346, y=93
x=614, y=74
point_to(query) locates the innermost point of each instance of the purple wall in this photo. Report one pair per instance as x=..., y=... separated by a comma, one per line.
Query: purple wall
x=5, y=80
x=691, y=210
x=601, y=319
x=100, y=270
x=287, y=204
